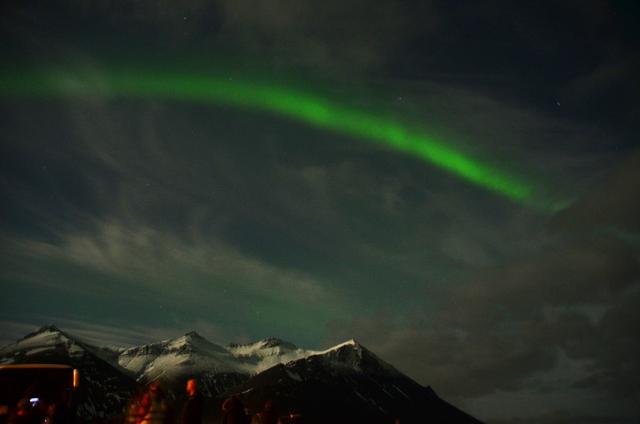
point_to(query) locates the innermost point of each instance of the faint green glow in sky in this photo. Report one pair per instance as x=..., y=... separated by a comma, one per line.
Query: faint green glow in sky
x=277, y=99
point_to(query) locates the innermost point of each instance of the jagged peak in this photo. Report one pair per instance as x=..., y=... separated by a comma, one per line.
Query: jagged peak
x=275, y=342
x=349, y=343
x=354, y=355
x=50, y=327
x=192, y=338
x=269, y=342
x=188, y=342
x=352, y=342
x=193, y=335
x=50, y=336
x=187, y=337
x=46, y=329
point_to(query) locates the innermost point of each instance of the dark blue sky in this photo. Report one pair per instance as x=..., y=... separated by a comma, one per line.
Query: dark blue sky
x=130, y=220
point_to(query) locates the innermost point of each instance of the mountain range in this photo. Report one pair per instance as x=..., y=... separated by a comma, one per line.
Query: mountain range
x=345, y=383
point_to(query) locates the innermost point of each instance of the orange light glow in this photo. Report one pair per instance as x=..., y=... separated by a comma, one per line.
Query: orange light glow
x=76, y=378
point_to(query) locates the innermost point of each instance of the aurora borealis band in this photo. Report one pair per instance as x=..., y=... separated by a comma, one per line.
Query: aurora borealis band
x=276, y=99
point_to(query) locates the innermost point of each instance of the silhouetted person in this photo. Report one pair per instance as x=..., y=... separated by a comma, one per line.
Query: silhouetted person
x=192, y=412
x=135, y=410
x=268, y=416
x=155, y=408
x=233, y=411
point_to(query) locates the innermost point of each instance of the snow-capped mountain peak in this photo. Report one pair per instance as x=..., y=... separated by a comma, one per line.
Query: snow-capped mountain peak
x=47, y=334
x=351, y=343
x=189, y=354
x=194, y=343
x=46, y=339
x=355, y=357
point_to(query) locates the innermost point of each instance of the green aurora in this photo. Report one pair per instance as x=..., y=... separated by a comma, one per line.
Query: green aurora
x=279, y=100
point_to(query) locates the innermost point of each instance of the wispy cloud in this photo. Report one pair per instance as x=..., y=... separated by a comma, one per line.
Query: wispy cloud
x=123, y=251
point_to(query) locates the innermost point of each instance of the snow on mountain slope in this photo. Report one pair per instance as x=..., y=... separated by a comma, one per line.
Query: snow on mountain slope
x=354, y=356
x=266, y=347
x=264, y=354
x=193, y=355
x=190, y=354
x=51, y=341
x=46, y=340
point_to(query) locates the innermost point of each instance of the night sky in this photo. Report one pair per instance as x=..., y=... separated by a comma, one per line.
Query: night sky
x=309, y=171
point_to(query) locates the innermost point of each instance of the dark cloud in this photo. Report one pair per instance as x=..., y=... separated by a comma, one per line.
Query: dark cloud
x=334, y=38
x=616, y=366
x=334, y=35
x=498, y=331
x=567, y=417
x=613, y=204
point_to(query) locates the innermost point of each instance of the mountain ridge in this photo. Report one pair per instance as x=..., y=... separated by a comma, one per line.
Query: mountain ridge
x=348, y=375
